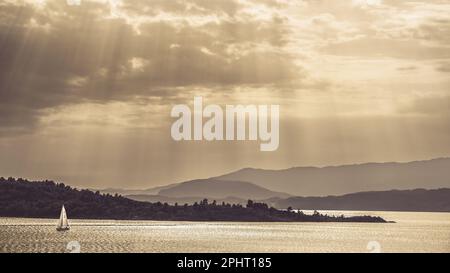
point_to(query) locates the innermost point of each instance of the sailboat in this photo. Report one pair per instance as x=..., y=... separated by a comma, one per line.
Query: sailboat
x=63, y=223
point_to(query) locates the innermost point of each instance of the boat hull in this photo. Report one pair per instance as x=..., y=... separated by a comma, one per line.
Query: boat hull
x=62, y=229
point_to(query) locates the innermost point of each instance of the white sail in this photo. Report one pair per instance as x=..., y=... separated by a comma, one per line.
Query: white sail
x=63, y=223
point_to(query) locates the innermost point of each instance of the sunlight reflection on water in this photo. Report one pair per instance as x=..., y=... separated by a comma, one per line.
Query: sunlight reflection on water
x=406, y=235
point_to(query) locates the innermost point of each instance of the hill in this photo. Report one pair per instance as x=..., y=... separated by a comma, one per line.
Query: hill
x=149, y=191
x=395, y=200
x=338, y=180
x=22, y=198
x=219, y=189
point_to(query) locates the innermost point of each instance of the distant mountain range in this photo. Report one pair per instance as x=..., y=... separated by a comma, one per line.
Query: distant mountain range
x=395, y=200
x=338, y=180
x=203, y=188
x=150, y=191
x=313, y=181
x=213, y=188
x=370, y=186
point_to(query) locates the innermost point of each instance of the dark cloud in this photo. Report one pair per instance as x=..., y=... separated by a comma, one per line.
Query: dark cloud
x=92, y=85
x=63, y=54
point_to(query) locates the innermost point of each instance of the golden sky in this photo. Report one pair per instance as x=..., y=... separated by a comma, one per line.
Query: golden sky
x=86, y=90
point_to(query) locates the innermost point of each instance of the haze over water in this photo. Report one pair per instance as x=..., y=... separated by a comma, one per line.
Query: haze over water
x=412, y=232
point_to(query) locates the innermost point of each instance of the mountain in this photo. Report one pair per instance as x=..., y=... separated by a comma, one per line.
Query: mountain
x=150, y=191
x=219, y=189
x=338, y=180
x=43, y=199
x=395, y=200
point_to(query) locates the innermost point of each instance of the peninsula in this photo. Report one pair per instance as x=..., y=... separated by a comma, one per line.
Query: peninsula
x=23, y=198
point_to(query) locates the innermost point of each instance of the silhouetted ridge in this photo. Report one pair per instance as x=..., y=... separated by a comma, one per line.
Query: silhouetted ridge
x=22, y=198
x=437, y=200
x=339, y=180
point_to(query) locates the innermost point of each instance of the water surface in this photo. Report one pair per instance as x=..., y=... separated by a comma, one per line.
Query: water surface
x=412, y=232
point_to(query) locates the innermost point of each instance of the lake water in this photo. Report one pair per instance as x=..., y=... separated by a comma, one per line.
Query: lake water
x=413, y=232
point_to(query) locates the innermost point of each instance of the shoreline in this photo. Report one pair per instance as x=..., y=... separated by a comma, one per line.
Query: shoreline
x=195, y=221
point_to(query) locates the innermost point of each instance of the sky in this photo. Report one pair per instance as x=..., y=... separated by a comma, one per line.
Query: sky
x=86, y=90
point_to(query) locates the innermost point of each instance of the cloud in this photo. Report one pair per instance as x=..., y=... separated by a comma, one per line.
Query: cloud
x=86, y=91
x=429, y=106
x=379, y=29
x=443, y=67
x=54, y=55
x=407, y=68
x=58, y=54
x=387, y=48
